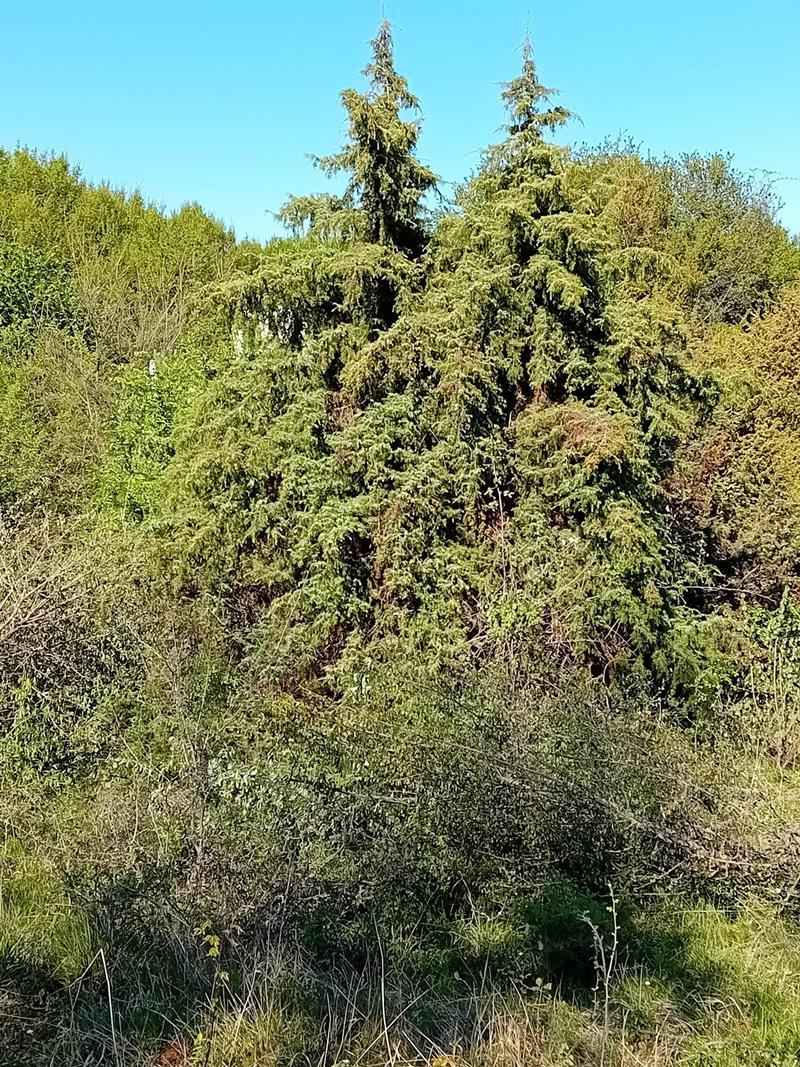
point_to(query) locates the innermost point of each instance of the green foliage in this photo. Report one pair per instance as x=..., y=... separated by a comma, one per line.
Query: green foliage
x=34, y=289
x=693, y=229
x=53, y=404
x=150, y=401
x=399, y=625
x=733, y=257
x=131, y=269
x=65, y=652
x=383, y=199
x=415, y=483
x=740, y=477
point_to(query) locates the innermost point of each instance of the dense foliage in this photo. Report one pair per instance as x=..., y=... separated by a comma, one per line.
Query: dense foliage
x=400, y=624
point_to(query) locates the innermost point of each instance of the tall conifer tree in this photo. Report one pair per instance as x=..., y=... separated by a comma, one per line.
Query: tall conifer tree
x=386, y=182
x=449, y=449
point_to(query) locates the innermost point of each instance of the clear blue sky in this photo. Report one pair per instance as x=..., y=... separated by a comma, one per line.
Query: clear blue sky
x=219, y=102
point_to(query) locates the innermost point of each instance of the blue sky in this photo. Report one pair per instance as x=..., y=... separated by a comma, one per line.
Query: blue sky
x=220, y=102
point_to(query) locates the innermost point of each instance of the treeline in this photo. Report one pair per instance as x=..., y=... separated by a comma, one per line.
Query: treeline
x=400, y=623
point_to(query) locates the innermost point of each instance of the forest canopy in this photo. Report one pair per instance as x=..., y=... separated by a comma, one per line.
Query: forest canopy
x=401, y=619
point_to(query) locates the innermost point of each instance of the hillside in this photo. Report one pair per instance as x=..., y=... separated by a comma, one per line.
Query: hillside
x=400, y=630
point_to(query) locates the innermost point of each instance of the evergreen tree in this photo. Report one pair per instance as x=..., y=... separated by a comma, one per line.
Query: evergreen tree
x=272, y=487
x=523, y=96
x=339, y=286
x=440, y=455
x=382, y=203
x=561, y=397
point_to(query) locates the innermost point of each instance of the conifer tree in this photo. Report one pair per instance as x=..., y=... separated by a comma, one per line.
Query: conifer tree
x=339, y=288
x=291, y=507
x=382, y=203
x=561, y=400
x=523, y=96
x=549, y=250
x=442, y=453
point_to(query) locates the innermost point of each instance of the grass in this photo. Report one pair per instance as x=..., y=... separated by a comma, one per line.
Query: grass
x=693, y=988
x=691, y=984
x=41, y=927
